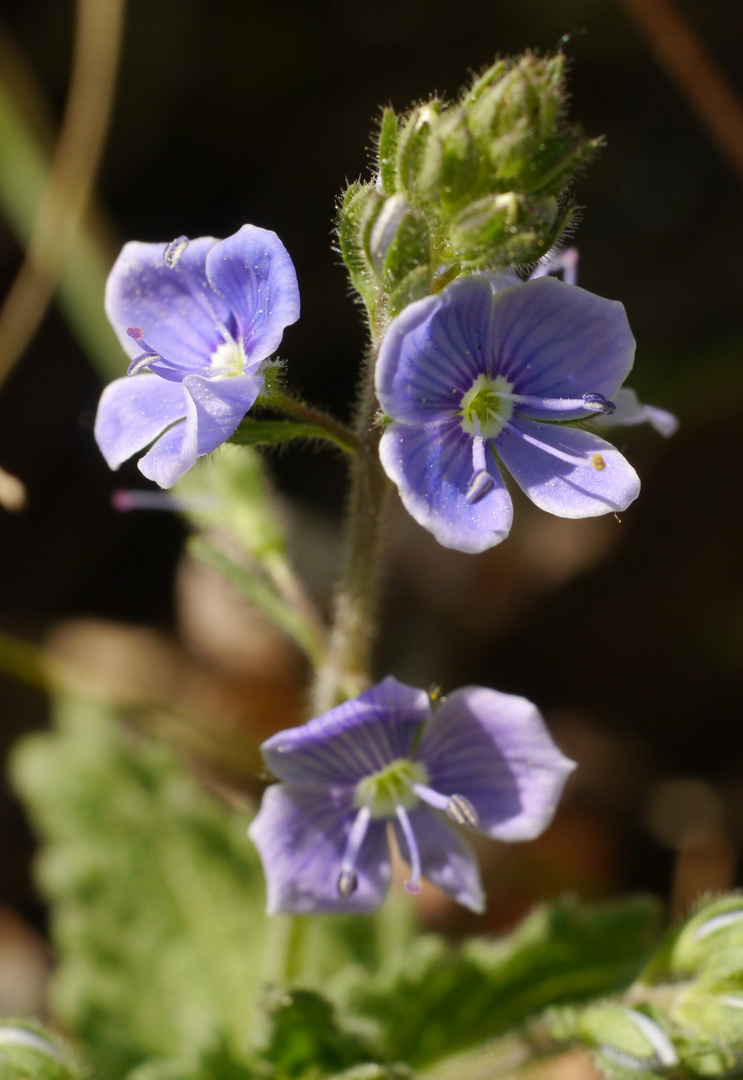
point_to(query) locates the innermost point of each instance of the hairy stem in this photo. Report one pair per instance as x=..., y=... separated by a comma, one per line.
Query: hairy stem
x=346, y=671
x=338, y=432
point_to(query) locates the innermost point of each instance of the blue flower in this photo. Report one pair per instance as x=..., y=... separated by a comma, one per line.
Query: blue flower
x=479, y=758
x=475, y=377
x=198, y=319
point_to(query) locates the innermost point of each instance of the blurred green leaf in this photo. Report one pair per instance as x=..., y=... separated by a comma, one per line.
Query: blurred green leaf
x=157, y=895
x=433, y=999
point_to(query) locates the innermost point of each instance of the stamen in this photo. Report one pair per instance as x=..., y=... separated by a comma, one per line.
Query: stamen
x=348, y=880
x=561, y=455
x=461, y=810
x=174, y=250
x=142, y=361
x=456, y=807
x=348, y=883
x=413, y=884
x=124, y=500
x=591, y=402
x=481, y=482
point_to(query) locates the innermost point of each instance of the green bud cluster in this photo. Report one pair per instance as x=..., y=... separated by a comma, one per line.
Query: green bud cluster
x=684, y=1015
x=477, y=184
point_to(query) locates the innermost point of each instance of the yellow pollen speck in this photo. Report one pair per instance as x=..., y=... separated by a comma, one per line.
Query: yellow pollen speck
x=598, y=462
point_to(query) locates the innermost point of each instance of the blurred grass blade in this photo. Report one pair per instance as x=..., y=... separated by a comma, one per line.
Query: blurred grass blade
x=24, y=173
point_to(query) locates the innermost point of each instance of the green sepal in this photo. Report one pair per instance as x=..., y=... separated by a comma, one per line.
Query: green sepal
x=558, y=162
x=450, y=165
x=396, y=240
x=387, y=152
x=359, y=204
x=614, y=1031
x=415, y=133
x=415, y=286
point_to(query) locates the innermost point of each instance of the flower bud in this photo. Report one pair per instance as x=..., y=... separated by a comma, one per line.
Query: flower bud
x=396, y=240
x=713, y=933
x=412, y=145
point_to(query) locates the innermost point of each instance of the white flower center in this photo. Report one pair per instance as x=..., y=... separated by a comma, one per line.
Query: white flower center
x=228, y=359
x=391, y=787
x=487, y=406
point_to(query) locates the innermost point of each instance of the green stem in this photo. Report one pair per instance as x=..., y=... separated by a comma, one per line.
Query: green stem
x=337, y=432
x=284, y=949
x=347, y=665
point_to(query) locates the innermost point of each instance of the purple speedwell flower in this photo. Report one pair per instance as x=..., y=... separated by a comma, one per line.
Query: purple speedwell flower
x=478, y=375
x=480, y=759
x=198, y=318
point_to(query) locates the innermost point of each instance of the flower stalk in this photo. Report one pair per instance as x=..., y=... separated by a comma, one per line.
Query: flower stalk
x=346, y=671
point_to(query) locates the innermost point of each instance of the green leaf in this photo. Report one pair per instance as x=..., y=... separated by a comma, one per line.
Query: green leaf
x=304, y=1035
x=433, y=1000
x=230, y=492
x=157, y=895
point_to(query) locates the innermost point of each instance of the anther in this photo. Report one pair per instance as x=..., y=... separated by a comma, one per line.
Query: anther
x=461, y=810
x=598, y=403
x=480, y=484
x=348, y=883
x=135, y=332
x=174, y=250
x=142, y=361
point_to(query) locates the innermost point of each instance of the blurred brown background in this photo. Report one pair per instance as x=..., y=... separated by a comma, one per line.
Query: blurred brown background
x=629, y=635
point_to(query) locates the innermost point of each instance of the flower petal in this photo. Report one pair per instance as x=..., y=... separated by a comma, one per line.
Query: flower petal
x=555, y=340
x=301, y=836
x=220, y=406
x=134, y=411
x=178, y=312
x=495, y=750
x=253, y=272
x=630, y=411
x=447, y=859
x=434, y=350
x=174, y=453
x=432, y=468
x=352, y=741
x=567, y=471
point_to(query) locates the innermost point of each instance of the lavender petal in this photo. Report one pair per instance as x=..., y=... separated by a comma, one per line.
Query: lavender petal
x=447, y=859
x=301, y=835
x=134, y=411
x=554, y=340
x=353, y=740
x=176, y=309
x=254, y=274
x=434, y=350
x=567, y=471
x=432, y=468
x=220, y=405
x=495, y=750
x=630, y=411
